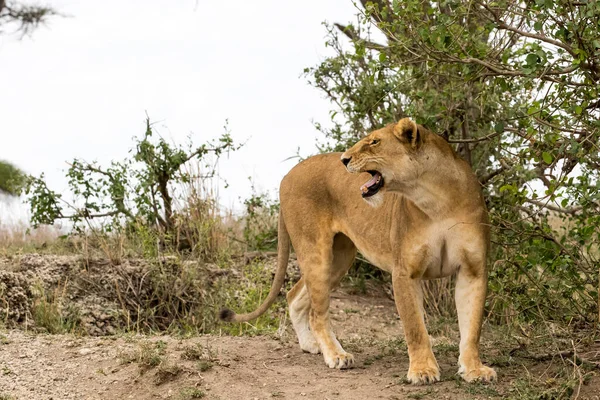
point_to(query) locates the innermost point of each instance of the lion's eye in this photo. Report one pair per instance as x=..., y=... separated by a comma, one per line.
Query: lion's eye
x=374, y=142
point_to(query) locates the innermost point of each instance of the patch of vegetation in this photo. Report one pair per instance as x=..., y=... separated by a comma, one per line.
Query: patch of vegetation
x=139, y=200
x=146, y=354
x=204, y=365
x=248, y=296
x=166, y=372
x=201, y=354
x=51, y=312
x=446, y=349
x=421, y=394
x=260, y=221
x=189, y=393
x=476, y=388
x=4, y=339
x=392, y=347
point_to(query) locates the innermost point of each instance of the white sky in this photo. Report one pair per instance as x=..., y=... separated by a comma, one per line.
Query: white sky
x=80, y=86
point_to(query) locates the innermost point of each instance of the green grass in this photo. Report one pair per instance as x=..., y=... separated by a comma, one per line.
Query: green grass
x=49, y=313
x=191, y=393
x=246, y=297
x=147, y=355
x=421, y=394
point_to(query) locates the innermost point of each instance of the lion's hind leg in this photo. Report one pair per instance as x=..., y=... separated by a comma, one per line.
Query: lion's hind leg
x=299, y=303
x=298, y=298
x=320, y=273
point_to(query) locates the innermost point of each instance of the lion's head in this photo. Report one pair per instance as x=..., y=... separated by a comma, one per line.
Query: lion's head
x=392, y=155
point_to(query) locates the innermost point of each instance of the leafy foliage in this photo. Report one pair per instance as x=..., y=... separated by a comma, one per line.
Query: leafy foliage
x=11, y=178
x=137, y=193
x=260, y=227
x=515, y=87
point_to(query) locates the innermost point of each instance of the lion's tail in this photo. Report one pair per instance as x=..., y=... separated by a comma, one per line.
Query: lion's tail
x=283, y=254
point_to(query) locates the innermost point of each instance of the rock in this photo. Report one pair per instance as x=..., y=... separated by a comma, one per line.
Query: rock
x=85, y=351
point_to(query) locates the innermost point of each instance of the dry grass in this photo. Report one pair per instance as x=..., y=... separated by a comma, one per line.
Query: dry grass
x=20, y=237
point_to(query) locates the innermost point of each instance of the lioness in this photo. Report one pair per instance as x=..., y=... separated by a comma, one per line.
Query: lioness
x=431, y=223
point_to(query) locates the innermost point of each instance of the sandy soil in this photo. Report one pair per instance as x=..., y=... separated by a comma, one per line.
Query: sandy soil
x=44, y=367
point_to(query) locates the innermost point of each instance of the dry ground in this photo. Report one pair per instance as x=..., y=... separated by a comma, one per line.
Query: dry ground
x=44, y=367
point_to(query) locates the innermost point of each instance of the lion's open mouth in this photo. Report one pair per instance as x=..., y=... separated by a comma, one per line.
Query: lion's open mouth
x=373, y=185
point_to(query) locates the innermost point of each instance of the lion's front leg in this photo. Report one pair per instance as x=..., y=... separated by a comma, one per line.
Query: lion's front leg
x=408, y=296
x=471, y=287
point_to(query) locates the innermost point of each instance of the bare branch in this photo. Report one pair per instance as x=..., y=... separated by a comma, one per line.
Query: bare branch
x=552, y=207
x=474, y=140
x=503, y=25
x=351, y=33
x=488, y=177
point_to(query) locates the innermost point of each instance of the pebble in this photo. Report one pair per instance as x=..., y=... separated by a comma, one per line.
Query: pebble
x=85, y=351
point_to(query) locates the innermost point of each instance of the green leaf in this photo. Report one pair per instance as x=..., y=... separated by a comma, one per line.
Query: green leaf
x=510, y=188
x=547, y=157
x=532, y=59
x=382, y=57
x=499, y=127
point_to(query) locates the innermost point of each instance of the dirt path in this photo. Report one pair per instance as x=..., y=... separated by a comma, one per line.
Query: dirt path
x=61, y=367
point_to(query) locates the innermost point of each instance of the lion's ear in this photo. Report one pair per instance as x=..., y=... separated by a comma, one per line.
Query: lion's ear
x=407, y=129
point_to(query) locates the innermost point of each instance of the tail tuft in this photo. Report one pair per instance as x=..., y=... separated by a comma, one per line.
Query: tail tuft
x=226, y=315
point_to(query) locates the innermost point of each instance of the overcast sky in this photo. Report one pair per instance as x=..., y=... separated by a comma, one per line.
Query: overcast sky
x=80, y=86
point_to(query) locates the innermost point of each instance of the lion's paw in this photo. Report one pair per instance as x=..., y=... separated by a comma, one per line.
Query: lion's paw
x=423, y=375
x=340, y=360
x=481, y=373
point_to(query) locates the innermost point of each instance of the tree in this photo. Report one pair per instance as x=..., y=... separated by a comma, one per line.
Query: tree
x=515, y=87
x=26, y=17
x=134, y=193
x=12, y=179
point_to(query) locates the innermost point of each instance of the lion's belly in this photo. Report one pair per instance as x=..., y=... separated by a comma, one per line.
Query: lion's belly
x=380, y=259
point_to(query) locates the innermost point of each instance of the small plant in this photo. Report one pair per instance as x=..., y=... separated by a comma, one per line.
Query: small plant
x=199, y=353
x=49, y=313
x=147, y=355
x=191, y=393
x=420, y=394
x=166, y=372
x=446, y=349
x=204, y=365
x=260, y=229
x=192, y=352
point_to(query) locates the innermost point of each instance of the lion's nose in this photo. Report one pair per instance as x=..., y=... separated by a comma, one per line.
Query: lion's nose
x=346, y=160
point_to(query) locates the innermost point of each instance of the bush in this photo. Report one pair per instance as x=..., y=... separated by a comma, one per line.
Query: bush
x=517, y=96
x=161, y=196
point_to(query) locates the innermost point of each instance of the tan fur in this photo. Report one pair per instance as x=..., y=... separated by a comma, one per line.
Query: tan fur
x=428, y=221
